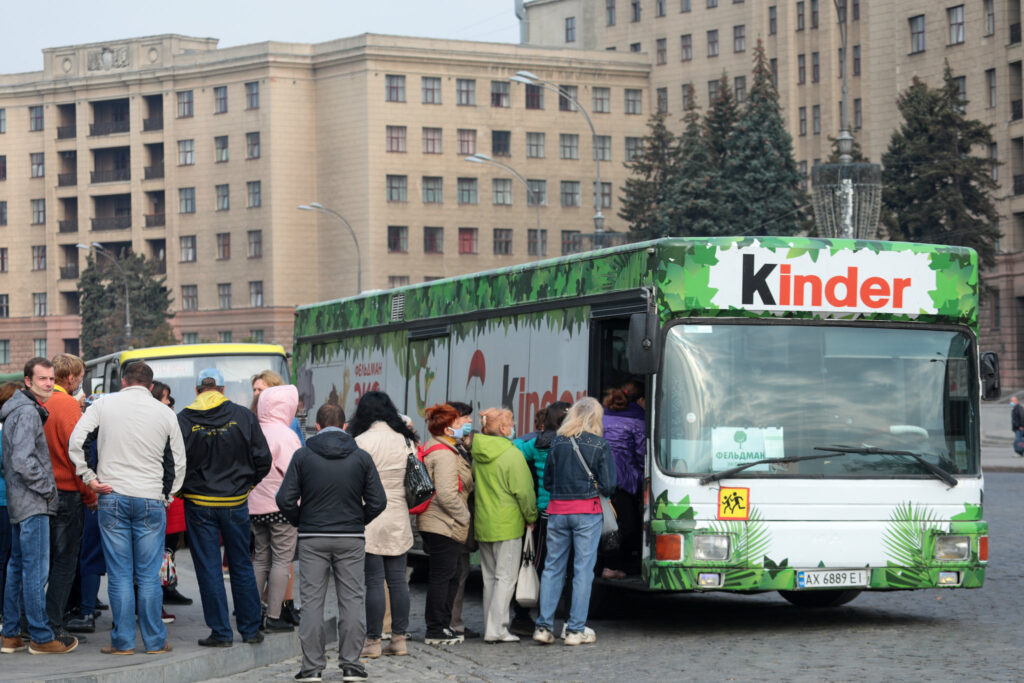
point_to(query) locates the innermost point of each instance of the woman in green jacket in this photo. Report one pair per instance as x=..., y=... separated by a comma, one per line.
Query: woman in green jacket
x=505, y=505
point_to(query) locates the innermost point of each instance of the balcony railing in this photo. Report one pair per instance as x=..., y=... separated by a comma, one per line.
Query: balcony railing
x=1016, y=110
x=69, y=272
x=1014, y=33
x=154, y=171
x=112, y=175
x=70, y=225
x=155, y=220
x=108, y=127
x=67, y=179
x=112, y=223
x=1018, y=184
x=155, y=123
x=65, y=132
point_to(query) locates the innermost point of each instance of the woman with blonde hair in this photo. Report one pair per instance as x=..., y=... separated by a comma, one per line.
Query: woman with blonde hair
x=505, y=505
x=579, y=467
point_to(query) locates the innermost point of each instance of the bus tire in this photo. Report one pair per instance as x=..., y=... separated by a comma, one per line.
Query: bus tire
x=814, y=599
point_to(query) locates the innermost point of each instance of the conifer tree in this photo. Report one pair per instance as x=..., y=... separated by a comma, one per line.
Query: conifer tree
x=720, y=122
x=648, y=194
x=759, y=171
x=699, y=209
x=933, y=189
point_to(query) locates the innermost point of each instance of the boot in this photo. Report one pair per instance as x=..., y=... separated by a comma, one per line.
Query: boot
x=397, y=645
x=289, y=612
x=371, y=649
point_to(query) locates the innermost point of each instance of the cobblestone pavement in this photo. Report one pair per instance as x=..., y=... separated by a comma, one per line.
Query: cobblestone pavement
x=927, y=635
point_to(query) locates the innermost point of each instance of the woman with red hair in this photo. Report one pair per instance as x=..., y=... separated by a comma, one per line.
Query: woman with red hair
x=444, y=525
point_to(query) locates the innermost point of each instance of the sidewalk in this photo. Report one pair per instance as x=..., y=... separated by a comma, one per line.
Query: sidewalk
x=996, y=439
x=188, y=662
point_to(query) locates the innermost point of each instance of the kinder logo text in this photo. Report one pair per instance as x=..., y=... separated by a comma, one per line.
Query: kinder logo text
x=846, y=282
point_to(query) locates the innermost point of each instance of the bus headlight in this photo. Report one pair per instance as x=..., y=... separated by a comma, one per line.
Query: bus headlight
x=708, y=547
x=952, y=547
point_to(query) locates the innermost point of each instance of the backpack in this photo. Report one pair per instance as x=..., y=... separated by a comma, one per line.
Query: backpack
x=422, y=453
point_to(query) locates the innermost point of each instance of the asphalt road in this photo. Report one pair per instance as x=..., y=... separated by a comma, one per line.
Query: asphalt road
x=904, y=636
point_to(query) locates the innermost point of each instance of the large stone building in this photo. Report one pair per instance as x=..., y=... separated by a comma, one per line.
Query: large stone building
x=198, y=157
x=890, y=42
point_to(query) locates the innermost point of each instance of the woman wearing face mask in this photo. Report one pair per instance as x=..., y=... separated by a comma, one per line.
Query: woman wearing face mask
x=444, y=525
x=505, y=505
x=462, y=431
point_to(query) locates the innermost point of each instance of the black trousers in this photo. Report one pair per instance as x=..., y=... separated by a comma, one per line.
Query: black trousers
x=443, y=581
x=627, y=512
x=65, y=543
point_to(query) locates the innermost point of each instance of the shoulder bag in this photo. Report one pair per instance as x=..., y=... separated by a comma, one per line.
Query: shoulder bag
x=609, y=523
x=528, y=583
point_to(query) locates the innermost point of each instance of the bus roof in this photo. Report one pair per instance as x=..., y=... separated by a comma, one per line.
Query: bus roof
x=679, y=269
x=201, y=350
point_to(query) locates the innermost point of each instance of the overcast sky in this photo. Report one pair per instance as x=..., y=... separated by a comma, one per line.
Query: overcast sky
x=28, y=27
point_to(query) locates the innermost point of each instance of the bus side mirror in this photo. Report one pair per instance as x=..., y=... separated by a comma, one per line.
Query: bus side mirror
x=642, y=344
x=990, y=389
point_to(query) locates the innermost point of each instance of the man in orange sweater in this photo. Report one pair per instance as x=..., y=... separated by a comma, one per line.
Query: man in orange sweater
x=66, y=526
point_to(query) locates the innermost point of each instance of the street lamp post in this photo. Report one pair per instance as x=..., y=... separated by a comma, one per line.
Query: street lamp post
x=484, y=159
x=316, y=206
x=527, y=78
x=100, y=249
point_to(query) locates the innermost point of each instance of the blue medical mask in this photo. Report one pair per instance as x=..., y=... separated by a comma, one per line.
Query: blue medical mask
x=512, y=434
x=461, y=431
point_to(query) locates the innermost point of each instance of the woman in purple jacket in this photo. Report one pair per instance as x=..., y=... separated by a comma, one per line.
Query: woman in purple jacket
x=625, y=432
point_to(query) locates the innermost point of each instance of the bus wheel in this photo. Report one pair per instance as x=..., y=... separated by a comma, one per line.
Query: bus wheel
x=819, y=598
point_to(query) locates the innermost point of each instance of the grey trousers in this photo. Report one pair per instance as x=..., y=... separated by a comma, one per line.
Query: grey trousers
x=319, y=558
x=272, y=561
x=499, y=564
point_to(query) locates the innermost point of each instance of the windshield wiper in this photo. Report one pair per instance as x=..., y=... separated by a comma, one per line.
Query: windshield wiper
x=874, y=450
x=739, y=468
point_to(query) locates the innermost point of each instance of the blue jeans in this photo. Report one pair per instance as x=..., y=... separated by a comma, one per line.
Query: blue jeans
x=5, y=550
x=205, y=527
x=583, y=534
x=27, y=571
x=132, y=533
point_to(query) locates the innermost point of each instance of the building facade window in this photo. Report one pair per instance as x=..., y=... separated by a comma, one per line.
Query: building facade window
x=188, y=248
x=659, y=7
x=499, y=93
x=990, y=82
x=689, y=101
x=397, y=281
x=711, y=4
x=713, y=43
x=571, y=242
x=535, y=145
x=467, y=190
x=739, y=87
x=602, y=100
x=37, y=164
x=801, y=69
x=686, y=45
x=502, y=191
x=534, y=97
x=39, y=347
x=3, y=120
x=431, y=140
x=397, y=188
x=634, y=147
x=186, y=152
x=502, y=242
x=3, y=212
x=857, y=116
x=39, y=257
x=220, y=99
x=223, y=246
x=635, y=47
x=190, y=299
x=567, y=95
x=398, y=239
x=224, y=295
x=917, y=42
x=773, y=20
x=570, y=29
x=225, y=336
x=501, y=143
x=465, y=92
x=220, y=149
x=800, y=16
x=634, y=101
x=961, y=86
x=568, y=146
x=433, y=190
x=609, y=12
x=256, y=335
x=433, y=240
x=252, y=145
x=856, y=60
x=713, y=93
x=603, y=148
x=394, y=88
x=993, y=155
x=395, y=136
x=223, y=197
x=185, y=104
x=467, y=240
x=5, y=344
x=38, y=211
x=661, y=100
x=814, y=13
x=739, y=38
x=661, y=51
x=467, y=141
x=3, y=167
x=685, y=5
x=189, y=337
x=252, y=95
x=634, y=7
x=604, y=194
x=35, y=118
x=816, y=119
x=255, y=238
x=803, y=120
x=254, y=190
x=3, y=259
x=570, y=193
x=39, y=304
x=990, y=22
x=815, y=67
x=955, y=16
x=536, y=242
x=431, y=86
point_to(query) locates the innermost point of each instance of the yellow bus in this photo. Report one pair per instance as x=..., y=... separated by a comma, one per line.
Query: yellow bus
x=177, y=366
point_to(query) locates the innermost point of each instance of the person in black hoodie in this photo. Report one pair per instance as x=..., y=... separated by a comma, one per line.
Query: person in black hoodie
x=226, y=456
x=340, y=493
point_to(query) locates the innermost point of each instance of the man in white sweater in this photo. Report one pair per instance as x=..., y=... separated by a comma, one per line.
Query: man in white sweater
x=141, y=463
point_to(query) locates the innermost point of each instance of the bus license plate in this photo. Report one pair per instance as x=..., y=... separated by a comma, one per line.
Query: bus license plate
x=832, y=578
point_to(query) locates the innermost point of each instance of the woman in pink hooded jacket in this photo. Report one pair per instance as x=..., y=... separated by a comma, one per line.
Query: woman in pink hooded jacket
x=275, y=536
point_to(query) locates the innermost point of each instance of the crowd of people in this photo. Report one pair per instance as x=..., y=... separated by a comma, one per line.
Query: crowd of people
x=251, y=495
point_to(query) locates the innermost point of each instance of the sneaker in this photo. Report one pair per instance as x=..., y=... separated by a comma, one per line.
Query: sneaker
x=506, y=638
x=253, y=640
x=580, y=637
x=165, y=617
x=522, y=627
x=309, y=676
x=213, y=641
x=111, y=650
x=173, y=597
x=58, y=646
x=12, y=645
x=543, y=635
x=351, y=672
x=80, y=623
x=272, y=625
x=443, y=637
x=565, y=629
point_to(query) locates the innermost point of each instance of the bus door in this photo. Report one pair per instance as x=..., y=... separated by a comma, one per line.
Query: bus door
x=426, y=372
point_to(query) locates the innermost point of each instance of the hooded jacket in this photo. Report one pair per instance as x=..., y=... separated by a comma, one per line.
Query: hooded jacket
x=391, y=533
x=626, y=434
x=28, y=472
x=536, y=453
x=276, y=410
x=505, y=501
x=226, y=452
x=331, y=487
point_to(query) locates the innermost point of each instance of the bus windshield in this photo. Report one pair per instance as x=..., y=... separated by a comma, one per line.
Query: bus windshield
x=180, y=374
x=736, y=393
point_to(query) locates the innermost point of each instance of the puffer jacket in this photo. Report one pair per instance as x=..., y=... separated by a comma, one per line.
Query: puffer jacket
x=28, y=472
x=505, y=501
x=276, y=410
x=536, y=453
x=564, y=475
x=626, y=434
x=448, y=512
x=391, y=533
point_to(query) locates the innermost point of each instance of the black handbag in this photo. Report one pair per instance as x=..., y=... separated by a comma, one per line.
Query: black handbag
x=419, y=489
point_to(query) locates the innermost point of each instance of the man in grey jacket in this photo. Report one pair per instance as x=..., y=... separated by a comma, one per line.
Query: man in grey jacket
x=31, y=500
